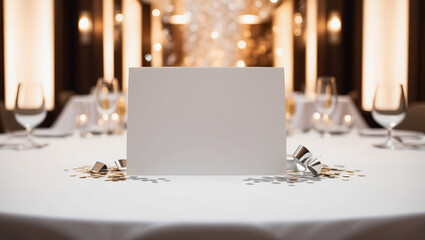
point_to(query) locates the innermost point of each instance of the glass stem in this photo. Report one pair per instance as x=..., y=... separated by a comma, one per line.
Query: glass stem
x=29, y=136
x=390, y=133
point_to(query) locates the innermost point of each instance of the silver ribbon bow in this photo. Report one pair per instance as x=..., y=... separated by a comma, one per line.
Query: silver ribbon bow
x=302, y=160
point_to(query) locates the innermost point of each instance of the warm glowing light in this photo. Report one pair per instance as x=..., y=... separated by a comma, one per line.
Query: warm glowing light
x=311, y=46
x=157, y=37
x=28, y=47
x=108, y=39
x=157, y=46
x=148, y=57
x=348, y=119
x=83, y=24
x=279, y=51
x=119, y=17
x=298, y=18
x=215, y=35
x=316, y=116
x=249, y=19
x=241, y=44
x=240, y=63
x=115, y=117
x=180, y=19
x=105, y=117
x=131, y=38
x=284, y=40
x=334, y=24
x=83, y=118
x=273, y=1
x=156, y=12
x=385, y=46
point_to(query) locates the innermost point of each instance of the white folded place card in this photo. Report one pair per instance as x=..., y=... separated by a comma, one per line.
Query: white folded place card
x=206, y=121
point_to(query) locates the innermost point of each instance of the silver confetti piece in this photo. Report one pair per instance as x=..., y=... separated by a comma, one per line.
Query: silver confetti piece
x=315, y=167
x=302, y=158
x=121, y=164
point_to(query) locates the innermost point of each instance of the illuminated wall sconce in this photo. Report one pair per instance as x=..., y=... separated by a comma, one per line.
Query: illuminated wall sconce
x=131, y=38
x=334, y=28
x=85, y=27
x=385, y=46
x=28, y=47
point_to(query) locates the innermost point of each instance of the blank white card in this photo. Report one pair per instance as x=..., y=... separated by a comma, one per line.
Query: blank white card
x=206, y=121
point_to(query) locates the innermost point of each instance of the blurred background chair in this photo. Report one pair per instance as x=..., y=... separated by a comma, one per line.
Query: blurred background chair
x=415, y=118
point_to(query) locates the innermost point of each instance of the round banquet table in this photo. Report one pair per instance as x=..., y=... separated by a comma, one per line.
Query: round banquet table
x=39, y=199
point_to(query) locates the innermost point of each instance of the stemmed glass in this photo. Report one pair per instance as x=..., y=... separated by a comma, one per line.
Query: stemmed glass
x=326, y=100
x=389, y=109
x=29, y=110
x=106, y=99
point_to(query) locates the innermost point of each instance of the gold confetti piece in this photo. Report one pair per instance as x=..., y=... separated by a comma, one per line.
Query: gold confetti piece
x=108, y=180
x=346, y=176
x=66, y=170
x=83, y=176
x=357, y=170
x=362, y=175
x=72, y=175
x=345, y=179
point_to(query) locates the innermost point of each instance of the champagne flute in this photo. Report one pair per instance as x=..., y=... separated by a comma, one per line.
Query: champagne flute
x=29, y=110
x=389, y=109
x=326, y=100
x=290, y=111
x=106, y=99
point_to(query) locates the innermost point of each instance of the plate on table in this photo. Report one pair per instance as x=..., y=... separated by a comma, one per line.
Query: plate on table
x=44, y=132
x=380, y=132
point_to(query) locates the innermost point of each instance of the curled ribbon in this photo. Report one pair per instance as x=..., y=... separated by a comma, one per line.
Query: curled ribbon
x=302, y=160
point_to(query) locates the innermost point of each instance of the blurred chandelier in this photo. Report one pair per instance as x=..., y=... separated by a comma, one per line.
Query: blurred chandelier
x=210, y=31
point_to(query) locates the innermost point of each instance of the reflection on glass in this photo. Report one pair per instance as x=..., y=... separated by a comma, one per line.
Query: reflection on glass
x=29, y=110
x=389, y=109
x=326, y=100
x=106, y=99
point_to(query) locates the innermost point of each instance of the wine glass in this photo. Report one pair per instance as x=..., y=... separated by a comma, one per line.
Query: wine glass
x=290, y=111
x=29, y=110
x=326, y=100
x=389, y=109
x=106, y=98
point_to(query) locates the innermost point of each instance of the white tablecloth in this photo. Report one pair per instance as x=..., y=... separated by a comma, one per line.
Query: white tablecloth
x=305, y=108
x=39, y=198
